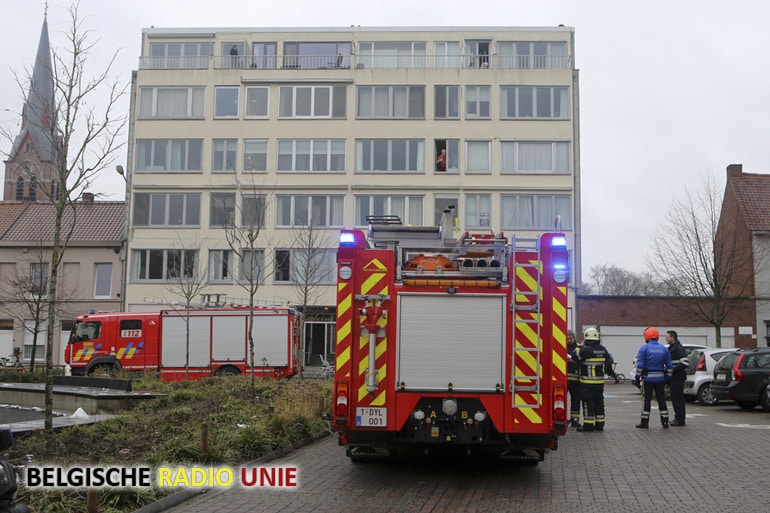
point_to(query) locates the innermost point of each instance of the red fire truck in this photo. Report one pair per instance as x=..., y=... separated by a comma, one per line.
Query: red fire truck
x=448, y=341
x=102, y=343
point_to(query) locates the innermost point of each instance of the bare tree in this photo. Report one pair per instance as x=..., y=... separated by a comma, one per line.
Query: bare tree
x=693, y=260
x=610, y=280
x=85, y=130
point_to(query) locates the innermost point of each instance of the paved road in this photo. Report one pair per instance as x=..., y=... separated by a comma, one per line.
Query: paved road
x=718, y=463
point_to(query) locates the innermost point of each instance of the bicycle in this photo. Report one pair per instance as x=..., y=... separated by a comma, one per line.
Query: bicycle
x=618, y=377
x=327, y=369
x=5, y=361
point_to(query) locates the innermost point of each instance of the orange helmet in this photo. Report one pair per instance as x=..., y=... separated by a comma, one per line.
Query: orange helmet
x=651, y=333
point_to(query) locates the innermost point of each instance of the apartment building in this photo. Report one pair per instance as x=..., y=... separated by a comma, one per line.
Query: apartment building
x=304, y=130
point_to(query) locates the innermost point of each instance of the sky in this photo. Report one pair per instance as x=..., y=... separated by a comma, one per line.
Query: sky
x=670, y=91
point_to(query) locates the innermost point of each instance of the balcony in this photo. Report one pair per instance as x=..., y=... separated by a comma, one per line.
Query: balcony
x=346, y=62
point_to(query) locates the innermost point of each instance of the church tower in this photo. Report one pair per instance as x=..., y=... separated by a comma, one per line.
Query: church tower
x=30, y=170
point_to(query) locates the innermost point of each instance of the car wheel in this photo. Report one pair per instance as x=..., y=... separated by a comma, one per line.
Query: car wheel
x=764, y=398
x=746, y=405
x=705, y=397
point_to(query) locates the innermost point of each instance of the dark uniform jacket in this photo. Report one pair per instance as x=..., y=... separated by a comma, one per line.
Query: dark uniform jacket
x=680, y=359
x=594, y=361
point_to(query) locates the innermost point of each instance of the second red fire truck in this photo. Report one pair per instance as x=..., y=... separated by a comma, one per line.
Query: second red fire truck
x=450, y=341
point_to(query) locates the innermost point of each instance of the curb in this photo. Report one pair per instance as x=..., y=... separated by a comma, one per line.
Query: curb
x=183, y=495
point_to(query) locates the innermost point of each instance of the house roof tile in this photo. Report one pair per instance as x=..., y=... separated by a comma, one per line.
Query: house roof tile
x=753, y=194
x=93, y=222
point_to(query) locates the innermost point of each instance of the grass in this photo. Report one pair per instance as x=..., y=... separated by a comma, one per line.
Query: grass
x=241, y=425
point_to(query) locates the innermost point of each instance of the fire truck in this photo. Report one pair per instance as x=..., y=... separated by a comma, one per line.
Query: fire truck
x=103, y=343
x=449, y=341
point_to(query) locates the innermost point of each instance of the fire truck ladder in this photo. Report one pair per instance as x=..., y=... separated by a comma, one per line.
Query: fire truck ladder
x=525, y=308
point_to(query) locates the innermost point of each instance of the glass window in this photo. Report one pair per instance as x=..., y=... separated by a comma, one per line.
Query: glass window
x=222, y=210
x=316, y=55
x=251, y=268
x=476, y=102
x=254, y=155
x=448, y=54
x=392, y=54
x=542, y=55
x=253, y=207
x=163, y=264
x=223, y=155
x=477, y=210
x=396, y=102
x=171, y=102
x=447, y=102
x=442, y=203
x=535, y=211
x=447, y=155
x=390, y=155
x=263, y=55
x=534, y=157
x=39, y=278
x=220, y=265
x=408, y=208
x=102, y=280
x=312, y=102
x=517, y=102
x=477, y=156
x=226, y=102
x=168, y=155
x=166, y=209
x=257, y=100
x=321, y=211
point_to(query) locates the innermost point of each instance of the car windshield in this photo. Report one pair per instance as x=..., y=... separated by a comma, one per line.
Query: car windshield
x=84, y=330
x=727, y=361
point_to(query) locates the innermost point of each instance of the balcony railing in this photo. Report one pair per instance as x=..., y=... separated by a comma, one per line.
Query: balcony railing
x=379, y=61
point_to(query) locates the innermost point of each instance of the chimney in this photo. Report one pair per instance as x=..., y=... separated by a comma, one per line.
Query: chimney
x=734, y=170
x=88, y=197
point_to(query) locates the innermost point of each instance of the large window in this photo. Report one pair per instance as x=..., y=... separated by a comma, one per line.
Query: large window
x=257, y=100
x=448, y=54
x=534, y=157
x=171, y=102
x=535, y=211
x=517, y=102
x=220, y=266
x=533, y=55
x=312, y=102
x=305, y=266
x=397, y=102
x=226, y=102
x=401, y=155
x=311, y=155
x=316, y=55
x=447, y=157
x=476, y=102
x=477, y=156
x=253, y=208
x=263, y=55
x=166, y=209
x=392, y=54
x=309, y=210
x=254, y=155
x=167, y=155
x=163, y=264
x=447, y=102
x=103, y=280
x=477, y=210
x=408, y=208
x=222, y=210
x=442, y=203
x=39, y=278
x=223, y=155
x=179, y=55
x=252, y=266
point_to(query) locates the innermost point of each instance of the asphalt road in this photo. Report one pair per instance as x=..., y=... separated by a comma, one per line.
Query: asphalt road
x=717, y=463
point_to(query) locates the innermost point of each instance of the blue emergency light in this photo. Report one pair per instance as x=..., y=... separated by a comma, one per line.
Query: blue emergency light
x=347, y=239
x=559, y=242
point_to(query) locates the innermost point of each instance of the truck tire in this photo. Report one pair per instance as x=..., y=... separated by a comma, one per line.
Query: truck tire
x=227, y=370
x=103, y=370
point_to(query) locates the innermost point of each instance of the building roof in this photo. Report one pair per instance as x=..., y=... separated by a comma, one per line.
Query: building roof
x=752, y=191
x=100, y=221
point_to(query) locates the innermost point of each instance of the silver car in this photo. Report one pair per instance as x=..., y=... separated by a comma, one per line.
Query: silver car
x=687, y=347
x=700, y=374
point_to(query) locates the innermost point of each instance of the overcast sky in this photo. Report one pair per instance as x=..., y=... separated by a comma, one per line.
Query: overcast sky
x=669, y=90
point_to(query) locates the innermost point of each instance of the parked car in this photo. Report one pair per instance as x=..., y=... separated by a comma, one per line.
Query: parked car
x=687, y=347
x=744, y=375
x=700, y=374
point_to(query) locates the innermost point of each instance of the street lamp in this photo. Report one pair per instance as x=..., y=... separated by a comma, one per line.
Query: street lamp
x=121, y=172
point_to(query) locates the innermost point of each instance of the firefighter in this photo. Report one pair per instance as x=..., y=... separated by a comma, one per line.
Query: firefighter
x=573, y=380
x=653, y=365
x=594, y=362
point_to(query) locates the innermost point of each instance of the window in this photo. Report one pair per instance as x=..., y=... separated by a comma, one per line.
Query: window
x=171, y=102
x=477, y=54
x=103, y=280
x=448, y=54
x=309, y=210
x=312, y=102
x=35, y=342
x=167, y=155
x=476, y=102
x=252, y=266
x=257, y=100
x=390, y=155
x=305, y=266
x=447, y=102
x=222, y=210
x=534, y=157
x=311, y=155
x=233, y=54
x=163, y=264
x=220, y=265
x=253, y=208
x=541, y=55
x=407, y=208
x=33, y=188
x=477, y=210
x=535, y=211
x=223, y=155
x=316, y=55
x=254, y=155
x=39, y=278
x=517, y=102
x=263, y=55
x=392, y=54
x=19, y=189
x=451, y=154
x=442, y=203
x=477, y=156
x=179, y=55
x=167, y=209
x=396, y=102
x=226, y=102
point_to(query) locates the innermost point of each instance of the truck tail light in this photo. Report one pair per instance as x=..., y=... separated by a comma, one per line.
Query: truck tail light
x=341, y=399
x=737, y=374
x=559, y=404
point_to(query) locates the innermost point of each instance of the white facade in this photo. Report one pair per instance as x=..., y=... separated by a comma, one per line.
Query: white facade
x=326, y=126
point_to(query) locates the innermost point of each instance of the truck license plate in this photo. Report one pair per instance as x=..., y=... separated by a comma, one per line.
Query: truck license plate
x=721, y=377
x=371, y=417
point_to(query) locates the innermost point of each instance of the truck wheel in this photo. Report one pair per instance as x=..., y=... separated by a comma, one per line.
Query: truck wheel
x=227, y=370
x=103, y=370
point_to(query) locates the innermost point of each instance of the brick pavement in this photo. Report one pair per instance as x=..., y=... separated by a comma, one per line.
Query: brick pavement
x=717, y=463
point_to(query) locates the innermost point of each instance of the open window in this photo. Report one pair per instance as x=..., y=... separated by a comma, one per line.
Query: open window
x=447, y=155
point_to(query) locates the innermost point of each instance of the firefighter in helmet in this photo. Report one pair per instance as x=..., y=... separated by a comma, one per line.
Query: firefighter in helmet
x=573, y=380
x=594, y=361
